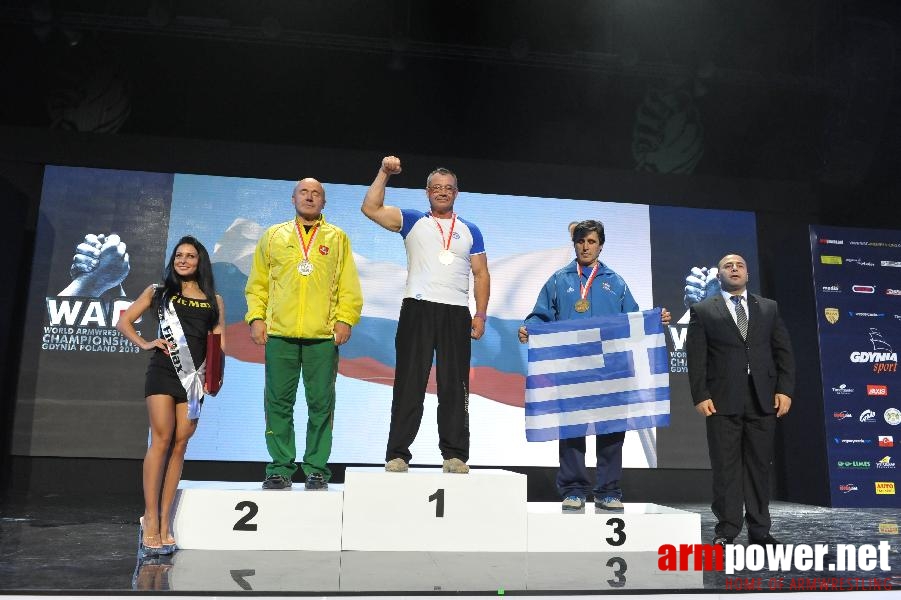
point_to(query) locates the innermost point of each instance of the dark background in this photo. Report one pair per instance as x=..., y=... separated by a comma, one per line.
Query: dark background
x=789, y=109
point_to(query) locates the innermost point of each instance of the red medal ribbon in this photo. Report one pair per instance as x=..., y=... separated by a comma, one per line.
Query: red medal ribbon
x=583, y=289
x=306, y=247
x=441, y=230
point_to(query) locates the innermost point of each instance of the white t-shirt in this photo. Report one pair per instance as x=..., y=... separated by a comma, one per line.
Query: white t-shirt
x=427, y=278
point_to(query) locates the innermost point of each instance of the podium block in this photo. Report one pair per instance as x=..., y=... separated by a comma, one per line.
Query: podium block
x=638, y=528
x=427, y=510
x=220, y=515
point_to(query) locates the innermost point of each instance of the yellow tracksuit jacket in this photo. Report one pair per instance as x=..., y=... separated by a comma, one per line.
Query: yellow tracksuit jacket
x=298, y=306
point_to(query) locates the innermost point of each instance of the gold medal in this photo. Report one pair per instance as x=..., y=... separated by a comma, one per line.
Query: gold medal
x=582, y=304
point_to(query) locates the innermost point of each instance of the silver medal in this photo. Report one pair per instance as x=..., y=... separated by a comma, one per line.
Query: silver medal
x=445, y=257
x=305, y=267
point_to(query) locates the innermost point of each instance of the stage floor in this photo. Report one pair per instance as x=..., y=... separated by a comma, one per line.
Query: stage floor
x=58, y=543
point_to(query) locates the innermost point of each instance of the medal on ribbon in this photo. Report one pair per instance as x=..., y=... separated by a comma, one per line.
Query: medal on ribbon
x=582, y=304
x=305, y=267
x=445, y=256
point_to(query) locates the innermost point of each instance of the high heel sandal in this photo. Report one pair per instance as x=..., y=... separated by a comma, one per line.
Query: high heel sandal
x=169, y=548
x=145, y=551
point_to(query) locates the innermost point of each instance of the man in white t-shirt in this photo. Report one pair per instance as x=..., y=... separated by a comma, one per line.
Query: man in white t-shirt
x=442, y=249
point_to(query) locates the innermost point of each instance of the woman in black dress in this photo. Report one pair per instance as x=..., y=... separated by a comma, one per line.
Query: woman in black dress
x=190, y=308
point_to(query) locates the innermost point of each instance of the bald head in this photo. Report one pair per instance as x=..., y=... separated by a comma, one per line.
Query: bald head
x=308, y=200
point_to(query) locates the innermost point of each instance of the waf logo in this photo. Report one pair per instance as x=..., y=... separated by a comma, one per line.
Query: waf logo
x=885, y=488
x=863, y=289
x=886, y=441
x=323, y=250
x=847, y=488
x=867, y=416
x=877, y=390
x=883, y=357
x=832, y=315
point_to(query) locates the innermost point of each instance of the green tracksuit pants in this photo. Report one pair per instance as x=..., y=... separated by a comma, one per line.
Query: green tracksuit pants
x=286, y=360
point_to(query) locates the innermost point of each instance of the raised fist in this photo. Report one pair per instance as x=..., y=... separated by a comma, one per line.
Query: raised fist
x=391, y=165
x=100, y=264
x=700, y=283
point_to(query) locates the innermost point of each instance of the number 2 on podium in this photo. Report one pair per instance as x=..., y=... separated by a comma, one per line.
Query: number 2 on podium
x=438, y=497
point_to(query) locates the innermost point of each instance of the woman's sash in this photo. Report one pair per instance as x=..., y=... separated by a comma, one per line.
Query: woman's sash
x=190, y=376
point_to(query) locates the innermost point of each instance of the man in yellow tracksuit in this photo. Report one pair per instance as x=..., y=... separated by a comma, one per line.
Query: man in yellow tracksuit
x=303, y=297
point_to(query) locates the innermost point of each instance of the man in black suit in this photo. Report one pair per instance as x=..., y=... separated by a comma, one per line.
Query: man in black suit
x=742, y=373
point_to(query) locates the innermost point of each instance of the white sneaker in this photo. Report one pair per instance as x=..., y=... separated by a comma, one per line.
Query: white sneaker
x=573, y=503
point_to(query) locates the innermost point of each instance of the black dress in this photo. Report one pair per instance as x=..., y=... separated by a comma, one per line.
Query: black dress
x=197, y=319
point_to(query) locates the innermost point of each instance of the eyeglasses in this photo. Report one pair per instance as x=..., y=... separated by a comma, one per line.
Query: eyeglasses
x=442, y=188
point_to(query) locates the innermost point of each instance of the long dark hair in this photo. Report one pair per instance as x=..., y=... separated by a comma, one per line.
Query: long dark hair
x=203, y=276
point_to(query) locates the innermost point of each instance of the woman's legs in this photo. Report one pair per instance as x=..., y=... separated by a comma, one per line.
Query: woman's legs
x=184, y=429
x=160, y=410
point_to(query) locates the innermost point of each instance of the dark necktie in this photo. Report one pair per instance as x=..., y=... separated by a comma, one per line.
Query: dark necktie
x=741, y=317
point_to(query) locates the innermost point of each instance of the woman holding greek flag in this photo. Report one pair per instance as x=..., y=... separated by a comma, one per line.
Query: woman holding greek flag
x=188, y=309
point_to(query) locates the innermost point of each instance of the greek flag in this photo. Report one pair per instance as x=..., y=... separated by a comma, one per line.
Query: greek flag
x=596, y=375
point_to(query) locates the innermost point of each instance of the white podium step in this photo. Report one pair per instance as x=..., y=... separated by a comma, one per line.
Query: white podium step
x=638, y=528
x=221, y=515
x=425, y=509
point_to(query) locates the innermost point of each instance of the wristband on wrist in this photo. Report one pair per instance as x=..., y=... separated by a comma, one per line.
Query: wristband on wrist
x=481, y=315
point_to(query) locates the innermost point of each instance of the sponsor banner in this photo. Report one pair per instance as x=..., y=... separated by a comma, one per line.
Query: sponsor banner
x=857, y=297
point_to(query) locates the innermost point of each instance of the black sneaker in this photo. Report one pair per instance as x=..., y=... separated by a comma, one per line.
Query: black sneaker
x=276, y=482
x=315, y=482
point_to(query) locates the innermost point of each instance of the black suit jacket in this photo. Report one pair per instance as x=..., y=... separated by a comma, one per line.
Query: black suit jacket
x=718, y=358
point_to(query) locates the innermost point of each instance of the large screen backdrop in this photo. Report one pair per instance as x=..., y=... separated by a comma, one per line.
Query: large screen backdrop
x=81, y=385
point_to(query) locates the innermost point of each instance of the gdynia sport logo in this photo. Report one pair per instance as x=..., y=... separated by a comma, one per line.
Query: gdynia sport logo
x=734, y=558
